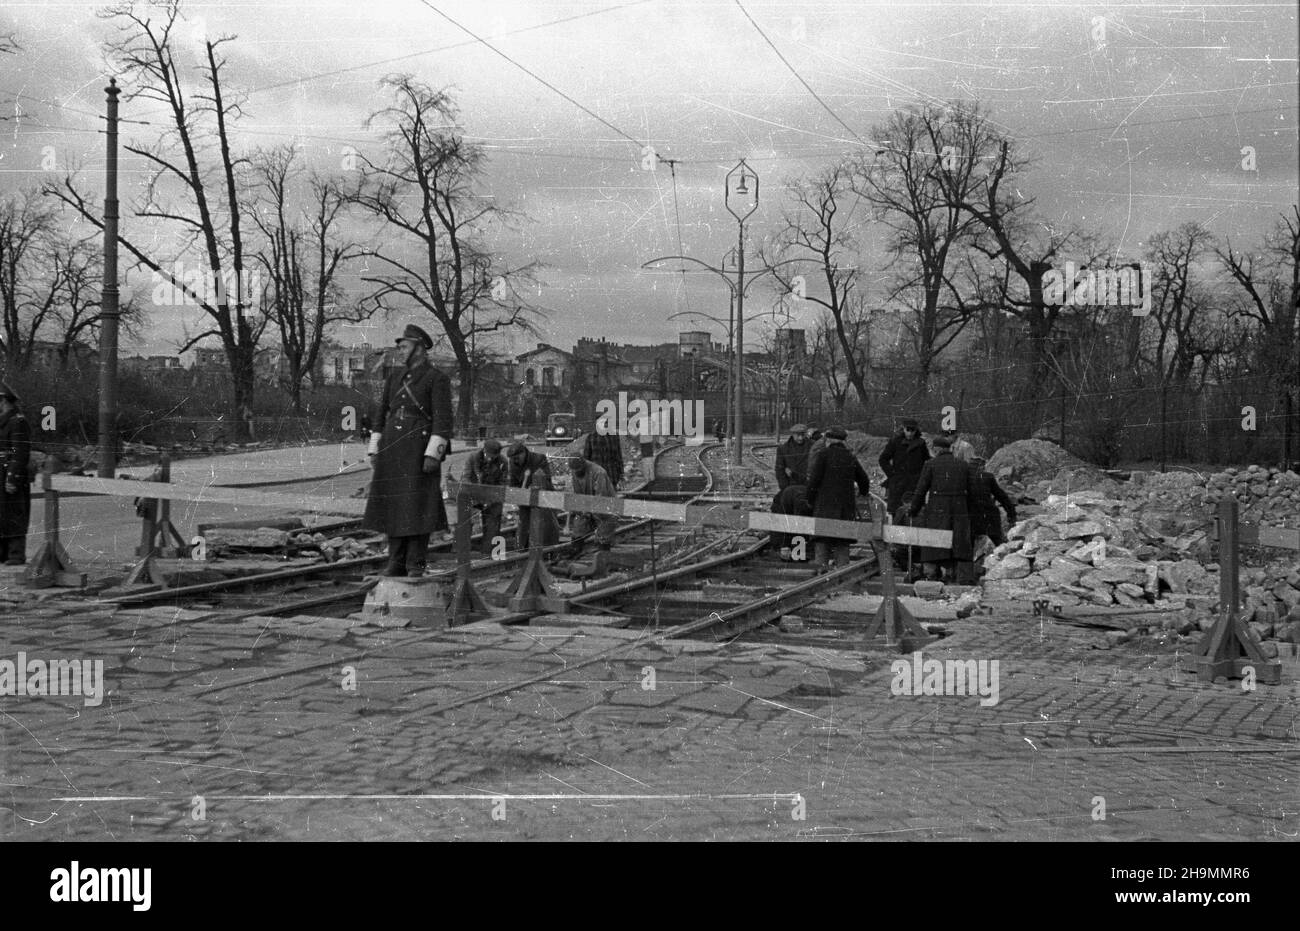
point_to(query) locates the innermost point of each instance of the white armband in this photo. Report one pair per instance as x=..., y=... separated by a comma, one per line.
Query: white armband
x=373, y=448
x=432, y=449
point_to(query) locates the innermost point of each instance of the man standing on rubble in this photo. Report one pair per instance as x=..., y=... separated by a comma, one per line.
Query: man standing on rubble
x=487, y=467
x=412, y=437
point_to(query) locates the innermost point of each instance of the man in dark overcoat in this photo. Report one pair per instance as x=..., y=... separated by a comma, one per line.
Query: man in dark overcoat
x=830, y=492
x=487, y=467
x=15, y=479
x=791, y=500
x=604, y=447
x=411, y=438
x=988, y=494
x=532, y=470
x=944, y=490
x=902, y=460
x=792, y=458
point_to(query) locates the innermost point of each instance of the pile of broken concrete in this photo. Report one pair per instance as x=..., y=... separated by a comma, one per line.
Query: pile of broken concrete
x=1085, y=548
x=1269, y=496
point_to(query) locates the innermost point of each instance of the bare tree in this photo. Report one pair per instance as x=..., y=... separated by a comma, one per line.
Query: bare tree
x=930, y=162
x=425, y=194
x=303, y=257
x=818, y=231
x=77, y=267
x=193, y=158
x=28, y=287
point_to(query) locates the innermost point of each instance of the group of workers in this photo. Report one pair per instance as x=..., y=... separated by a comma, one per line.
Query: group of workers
x=817, y=474
x=949, y=490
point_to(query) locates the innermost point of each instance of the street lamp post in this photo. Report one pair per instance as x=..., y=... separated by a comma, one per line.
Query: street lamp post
x=741, y=201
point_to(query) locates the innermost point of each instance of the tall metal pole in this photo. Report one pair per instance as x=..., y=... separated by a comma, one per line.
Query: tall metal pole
x=738, y=449
x=109, y=302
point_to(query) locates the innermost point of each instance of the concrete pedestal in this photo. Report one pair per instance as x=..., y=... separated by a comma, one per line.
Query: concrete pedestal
x=397, y=602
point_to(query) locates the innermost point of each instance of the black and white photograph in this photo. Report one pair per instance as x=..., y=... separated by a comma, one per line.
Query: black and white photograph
x=651, y=421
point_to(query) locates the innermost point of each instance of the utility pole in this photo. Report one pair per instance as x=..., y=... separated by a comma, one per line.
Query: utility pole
x=109, y=302
x=739, y=204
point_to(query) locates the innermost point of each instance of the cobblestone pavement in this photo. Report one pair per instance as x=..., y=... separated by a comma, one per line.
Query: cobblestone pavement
x=251, y=726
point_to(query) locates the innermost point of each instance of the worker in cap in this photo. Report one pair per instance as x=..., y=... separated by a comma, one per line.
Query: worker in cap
x=532, y=470
x=831, y=481
x=411, y=438
x=902, y=460
x=792, y=458
x=15, y=477
x=589, y=478
x=487, y=467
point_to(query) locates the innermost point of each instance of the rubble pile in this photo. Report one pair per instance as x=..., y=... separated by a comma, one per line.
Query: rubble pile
x=1087, y=549
x=1026, y=462
x=332, y=549
x=1266, y=496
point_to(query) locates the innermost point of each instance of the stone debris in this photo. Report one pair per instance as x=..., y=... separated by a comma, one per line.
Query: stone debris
x=1087, y=549
x=1027, y=462
x=1266, y=496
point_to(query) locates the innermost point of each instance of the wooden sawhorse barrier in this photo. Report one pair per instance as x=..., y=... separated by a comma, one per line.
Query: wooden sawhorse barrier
x=1230, y=645
x=155, y=531
x=533, y=589
x=51, y=565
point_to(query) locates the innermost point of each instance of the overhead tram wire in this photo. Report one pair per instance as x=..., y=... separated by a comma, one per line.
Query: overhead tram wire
x=798, y=76
x=536, y=77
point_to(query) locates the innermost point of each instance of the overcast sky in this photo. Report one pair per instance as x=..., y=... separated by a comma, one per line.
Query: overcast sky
x=1136, y=136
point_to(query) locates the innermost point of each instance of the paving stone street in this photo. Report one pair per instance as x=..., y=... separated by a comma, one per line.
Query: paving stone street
x=322, y=729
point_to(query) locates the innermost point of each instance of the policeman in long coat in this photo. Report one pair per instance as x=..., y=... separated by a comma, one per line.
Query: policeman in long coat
x=412, y=436
x=15, y=480
x=945, y=491
x=831, y=480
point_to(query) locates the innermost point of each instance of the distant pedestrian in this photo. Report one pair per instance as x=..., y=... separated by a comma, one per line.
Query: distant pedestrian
x=15, y=486
x=830, y=492
x=604, y=447
x=718, y=431
x=944, y=491
x=902, y=460
x=646, y=437
x=487, y=467
x=412, y=437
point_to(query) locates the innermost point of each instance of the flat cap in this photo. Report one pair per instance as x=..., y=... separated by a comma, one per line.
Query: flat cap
x=799, y=428
x=943, y=442
x=911, y=424
x=837, y=433
x=491, y=447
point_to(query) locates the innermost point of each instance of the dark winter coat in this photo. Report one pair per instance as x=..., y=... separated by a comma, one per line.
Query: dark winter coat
x=988, y=494
x=945, y=491
x=793, y=456
x=404, y=501
x=792, y=500
x=15, y=463
x=606, y=450
x=902, y=461
x=830, y=483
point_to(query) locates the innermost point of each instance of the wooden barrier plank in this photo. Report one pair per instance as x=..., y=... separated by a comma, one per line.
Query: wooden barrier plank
x=1256, y=535
x=212, y=494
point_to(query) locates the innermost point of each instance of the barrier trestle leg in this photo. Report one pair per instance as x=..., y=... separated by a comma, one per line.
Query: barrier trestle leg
x=466, y=602
x=51, y=565
x=892, y=622
x=534, y=588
